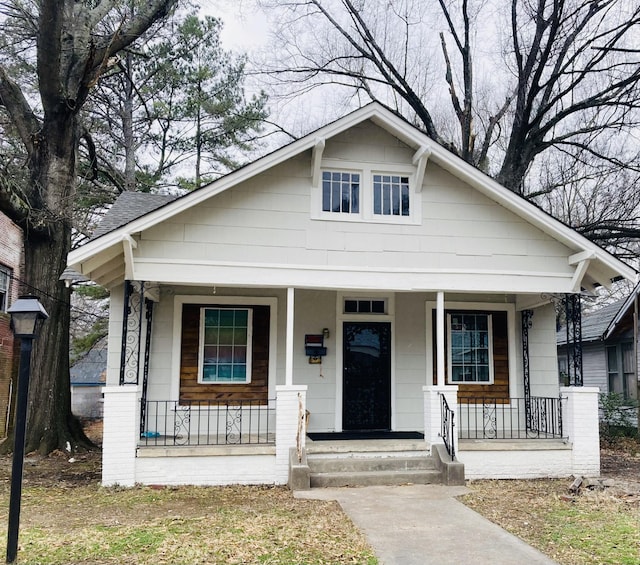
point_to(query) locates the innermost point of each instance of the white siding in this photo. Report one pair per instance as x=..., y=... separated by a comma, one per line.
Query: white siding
x=542, y=352
x=594, y=366
x=267, y=220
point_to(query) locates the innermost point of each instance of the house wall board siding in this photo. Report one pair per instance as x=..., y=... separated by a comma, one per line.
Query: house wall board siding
x=410, y=361
x=267, y=220
x=594, y=366
x=542, y=352
x=315, y=310
x=369, y=143
x=114, y=344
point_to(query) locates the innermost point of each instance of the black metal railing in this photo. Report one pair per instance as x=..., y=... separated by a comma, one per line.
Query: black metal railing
x=208, y=422
x=447, y=428
x=514, y=418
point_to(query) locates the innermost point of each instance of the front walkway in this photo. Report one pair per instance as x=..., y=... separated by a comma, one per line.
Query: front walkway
x=425, y=524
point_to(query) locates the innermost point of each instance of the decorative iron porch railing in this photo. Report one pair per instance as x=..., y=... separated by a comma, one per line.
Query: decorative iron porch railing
x=208, y=422
x=515, y=418
x=447, y=428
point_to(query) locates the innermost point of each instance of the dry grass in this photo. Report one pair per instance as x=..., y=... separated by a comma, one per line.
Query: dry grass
x=591, y=527
x=68, y=518
x=89, y=524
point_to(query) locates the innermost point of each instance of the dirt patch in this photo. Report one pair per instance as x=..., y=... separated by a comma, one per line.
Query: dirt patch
x=60, y=469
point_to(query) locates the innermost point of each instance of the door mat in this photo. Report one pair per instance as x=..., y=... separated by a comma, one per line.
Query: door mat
x=337, y=436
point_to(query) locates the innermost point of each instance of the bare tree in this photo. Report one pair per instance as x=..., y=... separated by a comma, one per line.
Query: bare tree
x=559, y=75
x=72, y=51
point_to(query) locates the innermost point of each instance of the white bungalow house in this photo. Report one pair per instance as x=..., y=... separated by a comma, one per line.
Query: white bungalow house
x=341, y=288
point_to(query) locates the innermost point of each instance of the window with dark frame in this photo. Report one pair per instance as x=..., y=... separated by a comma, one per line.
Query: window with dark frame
x=365, y=306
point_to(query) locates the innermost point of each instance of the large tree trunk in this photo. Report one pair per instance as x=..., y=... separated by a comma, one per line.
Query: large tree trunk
x=72, y=53
x=50, y=423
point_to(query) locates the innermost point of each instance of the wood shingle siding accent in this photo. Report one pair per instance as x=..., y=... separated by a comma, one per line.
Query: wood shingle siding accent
x=499, y=390
x=192, y=390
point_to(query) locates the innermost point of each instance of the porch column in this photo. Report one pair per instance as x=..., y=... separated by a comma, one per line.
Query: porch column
x=120, y=435
x=433, y=413
x=291, y=404
x=580, y=425
x=289, y=339
x=573, y=314
x=440, y=330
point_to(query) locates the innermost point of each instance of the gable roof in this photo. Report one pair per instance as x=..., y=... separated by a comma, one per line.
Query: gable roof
x=121, y=225
x=600, y=324
x=625, y=307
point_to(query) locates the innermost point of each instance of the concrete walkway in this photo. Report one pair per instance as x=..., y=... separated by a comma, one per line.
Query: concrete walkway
x=425, y=524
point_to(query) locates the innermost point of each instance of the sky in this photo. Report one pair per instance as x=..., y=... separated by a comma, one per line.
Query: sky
x=245, y=25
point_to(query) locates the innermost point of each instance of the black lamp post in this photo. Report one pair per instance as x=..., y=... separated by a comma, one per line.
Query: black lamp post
x=25, y=314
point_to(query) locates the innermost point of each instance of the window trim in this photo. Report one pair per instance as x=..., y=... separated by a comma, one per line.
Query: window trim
x=366, y=199
x=489, y=347
x=4, y=293
x=359, y=300
x=204, y=299
x=201, y=346
x=515, y=384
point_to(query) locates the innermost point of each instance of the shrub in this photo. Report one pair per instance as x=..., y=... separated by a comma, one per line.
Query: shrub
x=617, y=415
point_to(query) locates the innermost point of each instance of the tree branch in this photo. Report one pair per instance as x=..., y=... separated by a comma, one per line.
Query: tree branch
x=19, y=110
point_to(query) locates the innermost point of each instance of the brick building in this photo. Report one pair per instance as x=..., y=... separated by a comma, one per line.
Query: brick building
x=11, y=261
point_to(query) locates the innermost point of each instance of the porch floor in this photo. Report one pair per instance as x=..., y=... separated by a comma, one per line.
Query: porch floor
x=394, y=446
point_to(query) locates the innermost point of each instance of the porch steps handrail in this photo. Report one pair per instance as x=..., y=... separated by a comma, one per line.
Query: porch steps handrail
x=447, y=428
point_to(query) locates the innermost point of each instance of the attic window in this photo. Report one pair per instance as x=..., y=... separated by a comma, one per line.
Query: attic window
x=362, y=192
x=341, y=192
x=390, y=195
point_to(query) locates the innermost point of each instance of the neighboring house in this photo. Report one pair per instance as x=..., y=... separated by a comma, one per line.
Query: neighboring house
x=608, y=358
x=11, y=260
x=88, y=376
x=361, y=275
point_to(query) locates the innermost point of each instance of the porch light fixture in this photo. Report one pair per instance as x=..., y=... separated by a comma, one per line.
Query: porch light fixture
x=25, y=312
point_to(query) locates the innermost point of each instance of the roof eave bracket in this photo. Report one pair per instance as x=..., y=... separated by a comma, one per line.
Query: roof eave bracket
x=128, y=245
x=420, y=159
x=316, y=160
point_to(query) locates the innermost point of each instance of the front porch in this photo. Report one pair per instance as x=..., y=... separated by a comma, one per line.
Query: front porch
x=218, y=443
x=385, y=364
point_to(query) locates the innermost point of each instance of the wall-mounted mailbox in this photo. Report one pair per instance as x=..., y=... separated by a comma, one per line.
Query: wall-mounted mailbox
x=314, y=345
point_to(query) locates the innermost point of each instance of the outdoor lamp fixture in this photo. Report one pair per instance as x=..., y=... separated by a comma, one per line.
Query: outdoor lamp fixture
x=25, y=312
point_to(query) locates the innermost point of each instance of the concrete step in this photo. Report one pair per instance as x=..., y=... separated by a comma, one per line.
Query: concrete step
x=370, y=478
x=356, y=463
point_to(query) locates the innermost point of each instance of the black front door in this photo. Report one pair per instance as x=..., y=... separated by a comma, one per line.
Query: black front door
x=366, y=392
